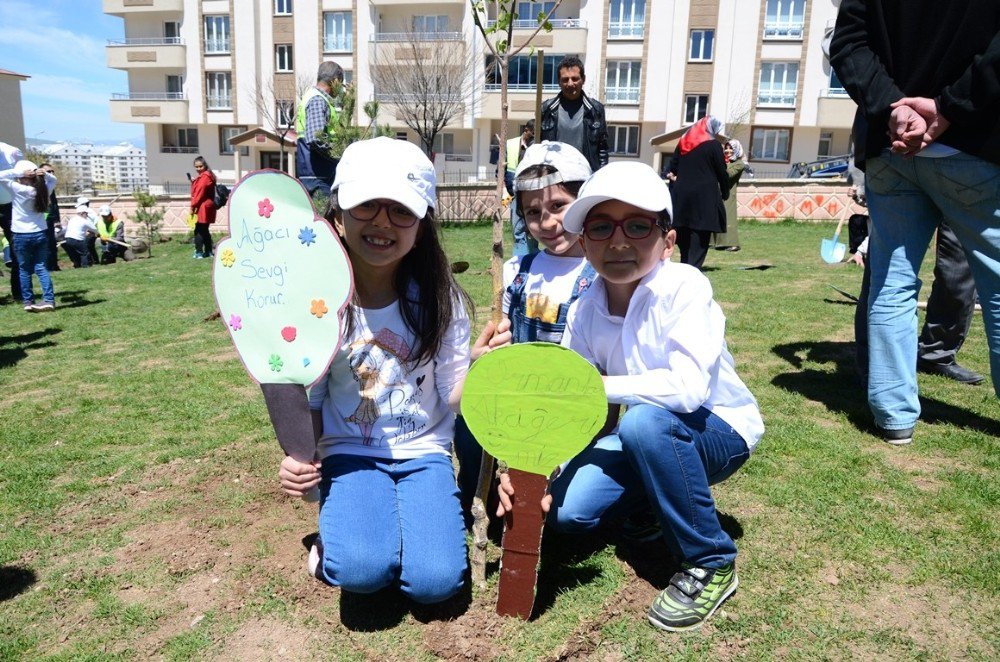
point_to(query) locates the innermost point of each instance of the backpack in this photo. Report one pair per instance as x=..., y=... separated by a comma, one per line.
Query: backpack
x=221, y=196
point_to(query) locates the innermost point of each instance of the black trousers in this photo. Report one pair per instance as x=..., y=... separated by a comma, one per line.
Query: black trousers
x=949, y=307
x=52, y=263
x=6, y=211
x=203, y=238
x=951, y=302
x=693, y=245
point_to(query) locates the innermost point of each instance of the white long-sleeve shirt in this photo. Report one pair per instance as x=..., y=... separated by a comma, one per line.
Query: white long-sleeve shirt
x=374, y=401
x=77, y=226
x=24, y=218
x=669, y=349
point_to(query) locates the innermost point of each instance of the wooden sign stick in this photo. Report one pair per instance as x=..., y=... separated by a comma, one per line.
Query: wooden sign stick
x=522, y=545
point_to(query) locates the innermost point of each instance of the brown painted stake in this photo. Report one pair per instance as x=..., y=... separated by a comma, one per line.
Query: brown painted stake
x=522, y=544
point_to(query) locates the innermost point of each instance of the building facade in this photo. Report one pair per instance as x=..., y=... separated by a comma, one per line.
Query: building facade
x=120, y=168
x=11, y=110
x=203, y=71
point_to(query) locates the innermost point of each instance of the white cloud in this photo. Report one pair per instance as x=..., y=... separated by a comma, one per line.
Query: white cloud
x=72, y=92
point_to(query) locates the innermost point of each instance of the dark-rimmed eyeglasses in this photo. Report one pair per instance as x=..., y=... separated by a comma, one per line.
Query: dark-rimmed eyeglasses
x=601, y=229
x=399, y=215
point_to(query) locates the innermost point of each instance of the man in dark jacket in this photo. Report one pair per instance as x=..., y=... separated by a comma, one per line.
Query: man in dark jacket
x=574, y=118
x=926, y=78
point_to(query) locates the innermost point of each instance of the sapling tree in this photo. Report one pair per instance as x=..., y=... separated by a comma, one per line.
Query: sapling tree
x=148, y=216
x=496, y=20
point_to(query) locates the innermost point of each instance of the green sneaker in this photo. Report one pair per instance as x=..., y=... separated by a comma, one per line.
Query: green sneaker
x=692, y=597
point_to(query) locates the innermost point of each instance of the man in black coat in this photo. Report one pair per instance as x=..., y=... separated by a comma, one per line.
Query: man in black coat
x=574, y=118
x=926, y=78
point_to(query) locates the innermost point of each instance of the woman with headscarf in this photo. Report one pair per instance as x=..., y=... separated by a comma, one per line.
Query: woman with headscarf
x=735, y=166
x=698, y=185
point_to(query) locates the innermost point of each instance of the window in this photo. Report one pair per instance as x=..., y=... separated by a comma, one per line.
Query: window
x=337, y=31
x=216, y=34
x=784, y=19
x=778, y=84
x=623, y=140
x=187, y=138
x=770, y=144
x=227, y=132
x=529, y=11
x=695, y=107
x=218, y=88
x=523, y=73
x=621, y=84
x=284, y=113
x=172, y=32
x=444, y=143
x=825, y=147
x=283, y=57
x=430, y=24
x=701, y=45
x=627, y=19
x=175, y=87
x=836, y=87
x=282, y=7
x=401, y=135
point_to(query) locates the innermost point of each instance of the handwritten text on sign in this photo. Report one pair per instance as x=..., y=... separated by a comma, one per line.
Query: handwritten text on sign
x=281, y=279
x=533, y=405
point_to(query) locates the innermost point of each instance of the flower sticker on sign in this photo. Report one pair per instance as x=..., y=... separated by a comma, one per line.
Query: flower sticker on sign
x=533, y=405
x=269, y=281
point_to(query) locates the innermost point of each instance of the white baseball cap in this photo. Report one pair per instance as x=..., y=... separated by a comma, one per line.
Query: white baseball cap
x=569, y=163
x=105, y=210
x=386, y=168
x=82, y=201
x=24, y=166
x=631, y=182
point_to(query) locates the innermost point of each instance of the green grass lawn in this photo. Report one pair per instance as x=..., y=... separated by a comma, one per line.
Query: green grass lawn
x=140, y=514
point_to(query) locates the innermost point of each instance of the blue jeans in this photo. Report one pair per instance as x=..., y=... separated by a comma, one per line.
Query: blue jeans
x=392, y=521
x=662, y=458
x=32, y=251
x=908, y=199
x=524, y=243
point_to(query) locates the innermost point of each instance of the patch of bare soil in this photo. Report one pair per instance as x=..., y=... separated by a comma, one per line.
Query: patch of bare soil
x=632, y=599
x=478, y=634
x=266, y=640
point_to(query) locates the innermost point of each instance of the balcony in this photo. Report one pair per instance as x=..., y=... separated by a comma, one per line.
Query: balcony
x=124, y=7
x=522, y=88
x=784, y=31
x=150, y=107
x=410, y=37
x=146, y=53
x=218, y=102
x=557, y=24
x=621, y=95
x=626, y=30
x=338, y=44
x=217, y=46
x=776, y=100
x=835, y=110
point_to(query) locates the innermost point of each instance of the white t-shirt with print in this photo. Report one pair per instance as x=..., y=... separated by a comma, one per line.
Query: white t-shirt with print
x=376, y=402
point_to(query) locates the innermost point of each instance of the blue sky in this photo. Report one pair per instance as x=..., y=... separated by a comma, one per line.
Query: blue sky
x=61, y=45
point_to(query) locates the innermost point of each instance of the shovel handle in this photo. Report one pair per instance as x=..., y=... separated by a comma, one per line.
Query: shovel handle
x=840, y=224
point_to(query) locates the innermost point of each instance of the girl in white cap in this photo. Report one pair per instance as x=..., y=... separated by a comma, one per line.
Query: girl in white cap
x=389, y=508
x=29, y=189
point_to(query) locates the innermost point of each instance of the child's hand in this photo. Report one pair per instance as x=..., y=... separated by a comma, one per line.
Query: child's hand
x=493, y=336
x=506, y=493
x=297, y=478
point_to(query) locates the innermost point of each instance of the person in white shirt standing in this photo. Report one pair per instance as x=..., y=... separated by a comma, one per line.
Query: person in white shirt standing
x=9, y=155
x=652, y=327
x=29, y=189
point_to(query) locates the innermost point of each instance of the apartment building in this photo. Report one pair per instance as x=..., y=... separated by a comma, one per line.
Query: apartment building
x=202, y=72
x=121, y=167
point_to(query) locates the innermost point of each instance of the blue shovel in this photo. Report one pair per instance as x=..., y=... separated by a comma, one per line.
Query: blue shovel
x=833, y=250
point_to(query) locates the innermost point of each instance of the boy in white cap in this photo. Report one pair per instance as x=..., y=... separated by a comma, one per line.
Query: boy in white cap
x=652, y=327
x=84, y=201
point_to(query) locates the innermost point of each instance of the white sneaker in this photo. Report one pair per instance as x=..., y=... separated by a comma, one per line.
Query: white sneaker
x=312, y=562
